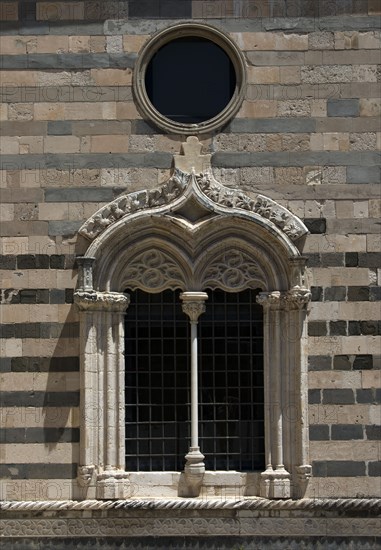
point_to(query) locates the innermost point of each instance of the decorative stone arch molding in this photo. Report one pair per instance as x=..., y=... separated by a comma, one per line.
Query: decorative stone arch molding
x=192, y=233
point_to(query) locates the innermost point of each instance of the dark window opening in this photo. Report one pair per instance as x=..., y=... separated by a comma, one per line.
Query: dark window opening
x=190, y=80
x=231, y=426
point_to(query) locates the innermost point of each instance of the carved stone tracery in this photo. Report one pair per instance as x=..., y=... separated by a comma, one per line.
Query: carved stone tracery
x=233, y=270
x=154, y=270
x=192, y=233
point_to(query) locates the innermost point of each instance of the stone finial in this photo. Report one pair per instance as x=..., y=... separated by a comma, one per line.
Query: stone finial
x=191, y=158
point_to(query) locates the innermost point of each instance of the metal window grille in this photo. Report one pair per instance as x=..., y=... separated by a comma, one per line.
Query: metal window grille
x=230, y=382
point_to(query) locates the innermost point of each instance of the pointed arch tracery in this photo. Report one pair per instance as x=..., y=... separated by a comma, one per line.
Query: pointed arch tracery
x=193, y=233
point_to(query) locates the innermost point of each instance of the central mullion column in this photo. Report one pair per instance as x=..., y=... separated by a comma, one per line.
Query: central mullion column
x=194, y=305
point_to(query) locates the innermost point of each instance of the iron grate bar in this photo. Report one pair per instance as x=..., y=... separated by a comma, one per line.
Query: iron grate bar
x=158, y=382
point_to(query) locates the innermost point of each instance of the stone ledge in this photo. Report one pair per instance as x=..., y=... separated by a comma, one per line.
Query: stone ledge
x=342, y=505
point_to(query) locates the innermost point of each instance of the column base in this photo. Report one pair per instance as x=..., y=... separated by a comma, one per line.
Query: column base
x=113, y=484
x=194, y=471
x=275, y=483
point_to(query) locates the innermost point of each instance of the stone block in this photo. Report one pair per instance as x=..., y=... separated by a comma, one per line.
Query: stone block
x=315, y=225
x=374, y=468
x=371, y=379
x=313, y=260
x=33, y=261
x=363, y=174
x=338, y=328
x=372, y=259
x=374, y=293
x=365, y=141
x=335, y=293
x=373, y=432
x=319, y=362
x=351, y=259
x=317, y=293
x=314, y=396
x=312, y=74
x=109, y=144
x=363, y=362
x=319, y=432
x=5, y=364
x=370, y=107
x=59, y=128
x=338, y=396
x=342, y=362
x=317, y=328
x=69, y=295
x=319, y=40
x=294, y=108
x=347, y=431
x=358, y=293
x=263, y=75
x=288, y=75
x=112, y=77
x=271, y=125
x=370, y=395
x=79, y=195
x=257, y=109
x=345, y=468
x=275, y=58
x=354, y=328
x=65, y=228
x=52, y=44
x=343, y=107
x=332, y=259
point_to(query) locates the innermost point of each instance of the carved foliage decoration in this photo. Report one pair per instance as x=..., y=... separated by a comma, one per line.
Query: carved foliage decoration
x=134, y=202
x=154, y=270
x=233, y=270
x=188, y=179
x=265, y=207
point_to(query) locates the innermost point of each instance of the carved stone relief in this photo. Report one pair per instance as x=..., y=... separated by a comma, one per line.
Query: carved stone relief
x=183, y=181
x=234, y=270
x=153, y=270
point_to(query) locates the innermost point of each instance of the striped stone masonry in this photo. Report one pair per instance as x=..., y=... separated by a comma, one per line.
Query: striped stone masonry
x=307, y=135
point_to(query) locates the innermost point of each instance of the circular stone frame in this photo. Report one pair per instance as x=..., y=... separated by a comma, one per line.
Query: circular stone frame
x=164, y=37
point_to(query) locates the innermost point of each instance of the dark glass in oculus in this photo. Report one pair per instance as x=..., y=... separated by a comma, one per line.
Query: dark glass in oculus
x=190, y=80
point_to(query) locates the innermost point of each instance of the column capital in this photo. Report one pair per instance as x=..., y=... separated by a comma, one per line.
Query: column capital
x=295, y=298
x=269, y=300
x=101, y=301
x=193, y=304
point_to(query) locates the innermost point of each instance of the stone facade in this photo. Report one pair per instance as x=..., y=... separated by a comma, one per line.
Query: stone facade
x=307, y=138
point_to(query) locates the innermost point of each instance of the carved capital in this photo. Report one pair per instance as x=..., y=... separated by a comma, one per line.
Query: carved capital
x=296, y=298
x=193, y=304
x=269, y=300
x=95, y=301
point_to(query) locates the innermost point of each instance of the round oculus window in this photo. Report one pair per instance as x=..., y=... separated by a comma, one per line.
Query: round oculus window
x=189, y=79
